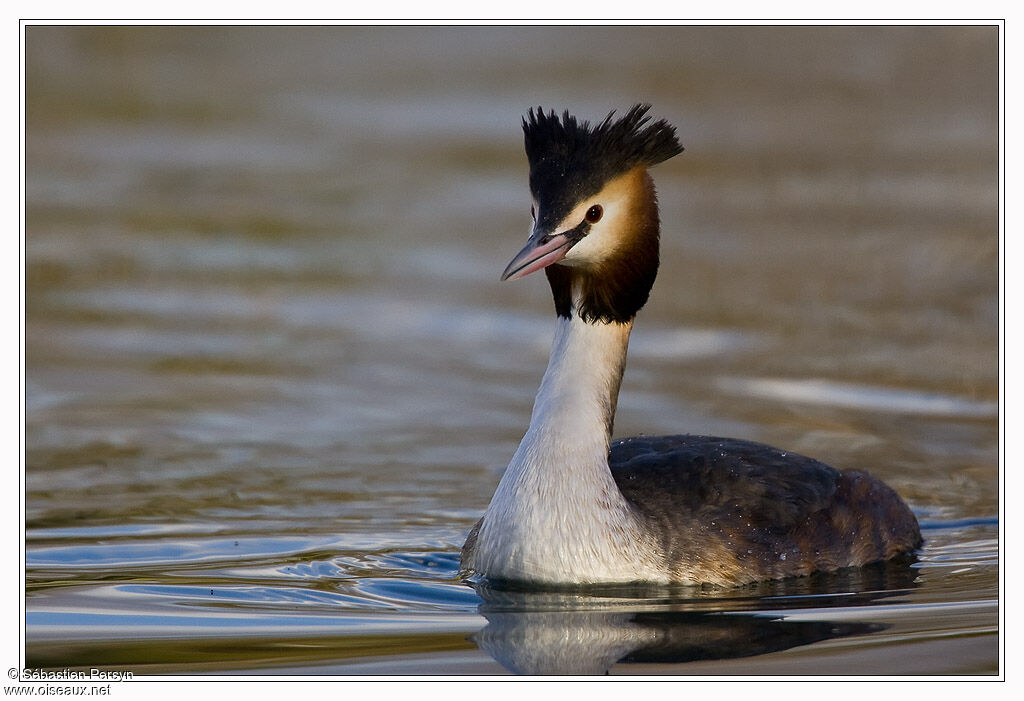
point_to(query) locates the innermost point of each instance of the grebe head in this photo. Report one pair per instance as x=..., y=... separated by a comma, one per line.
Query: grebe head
x=595, y=212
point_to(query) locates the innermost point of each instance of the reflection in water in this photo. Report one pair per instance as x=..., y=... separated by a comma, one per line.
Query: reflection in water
x=588, y=631
x=582, y=642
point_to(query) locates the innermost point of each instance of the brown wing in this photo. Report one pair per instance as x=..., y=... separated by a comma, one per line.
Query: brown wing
x=728, y=511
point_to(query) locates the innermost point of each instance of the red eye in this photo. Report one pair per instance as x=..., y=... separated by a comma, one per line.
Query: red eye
x=594, y=214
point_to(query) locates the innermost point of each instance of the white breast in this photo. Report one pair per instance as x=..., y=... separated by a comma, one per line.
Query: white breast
x=557, y=514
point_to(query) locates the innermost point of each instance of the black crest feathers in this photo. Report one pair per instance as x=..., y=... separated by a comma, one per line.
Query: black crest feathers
x=571, y=161
x=574, y=158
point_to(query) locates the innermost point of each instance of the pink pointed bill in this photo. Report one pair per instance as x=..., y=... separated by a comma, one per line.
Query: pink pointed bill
x=535, y=256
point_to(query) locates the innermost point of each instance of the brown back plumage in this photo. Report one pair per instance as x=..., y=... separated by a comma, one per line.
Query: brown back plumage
x=729, y=511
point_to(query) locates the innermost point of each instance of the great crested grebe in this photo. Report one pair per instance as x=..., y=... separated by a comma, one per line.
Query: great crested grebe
x=575, y=508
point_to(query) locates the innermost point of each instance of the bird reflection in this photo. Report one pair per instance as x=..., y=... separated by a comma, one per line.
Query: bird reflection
x=584, y=632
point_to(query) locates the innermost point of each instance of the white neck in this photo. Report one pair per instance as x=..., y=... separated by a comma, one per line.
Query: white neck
x=577, y=397
x=557, y=514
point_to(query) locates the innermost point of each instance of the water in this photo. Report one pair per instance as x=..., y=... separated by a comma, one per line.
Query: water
x=272, y=380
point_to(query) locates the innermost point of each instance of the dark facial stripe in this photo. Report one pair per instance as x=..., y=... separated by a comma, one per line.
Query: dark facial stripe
x=616, y=289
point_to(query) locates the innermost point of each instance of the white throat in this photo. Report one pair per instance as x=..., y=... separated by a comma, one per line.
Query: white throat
x=557, y=514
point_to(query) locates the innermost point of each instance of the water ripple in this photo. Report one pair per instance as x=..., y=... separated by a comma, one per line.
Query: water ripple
x=864, y=397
